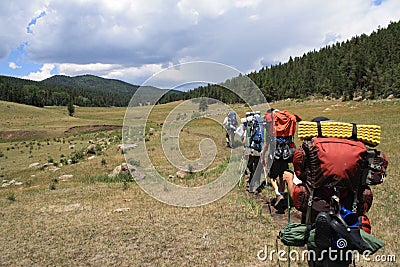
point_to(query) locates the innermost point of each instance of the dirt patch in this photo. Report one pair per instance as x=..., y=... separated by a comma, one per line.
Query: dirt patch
x=21, y=134
x=92, y=128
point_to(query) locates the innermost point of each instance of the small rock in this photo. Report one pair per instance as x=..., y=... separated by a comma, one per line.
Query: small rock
x=54, y=169
x=91, y=157
x=36, y=164
x=48, y=164
x=122, y=209
x=180, y=174
x=71, y=147
x=65, y=176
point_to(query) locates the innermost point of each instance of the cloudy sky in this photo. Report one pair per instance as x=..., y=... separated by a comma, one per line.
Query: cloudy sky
x=131, y=40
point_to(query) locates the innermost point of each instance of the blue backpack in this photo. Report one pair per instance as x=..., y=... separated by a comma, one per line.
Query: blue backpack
x=255, y=133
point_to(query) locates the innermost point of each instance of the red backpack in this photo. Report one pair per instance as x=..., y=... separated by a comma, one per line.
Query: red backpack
x=283, y=122
x=328, y=166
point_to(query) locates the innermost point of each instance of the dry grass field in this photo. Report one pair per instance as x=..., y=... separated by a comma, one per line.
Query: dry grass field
x=59, y=214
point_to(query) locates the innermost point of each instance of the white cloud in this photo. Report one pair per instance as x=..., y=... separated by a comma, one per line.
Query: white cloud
x=44, y=73
x=134, y=75
x=13, y=66
x=130, y=39
x=14, y=18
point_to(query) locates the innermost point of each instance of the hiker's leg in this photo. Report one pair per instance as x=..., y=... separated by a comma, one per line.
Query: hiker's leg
x=274, y=184
x=232, y=138
x=257, y=174
x=283, y=165
x=251, y=166
x=281, y=184
x=274, y=174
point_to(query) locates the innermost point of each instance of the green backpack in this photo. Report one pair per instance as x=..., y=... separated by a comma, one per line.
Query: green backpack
x=294, y=234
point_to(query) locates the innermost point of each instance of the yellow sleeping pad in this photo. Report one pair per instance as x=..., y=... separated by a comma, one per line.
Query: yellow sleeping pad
x=369, y=134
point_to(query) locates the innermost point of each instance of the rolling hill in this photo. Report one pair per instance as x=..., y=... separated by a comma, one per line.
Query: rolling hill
x=84, y=90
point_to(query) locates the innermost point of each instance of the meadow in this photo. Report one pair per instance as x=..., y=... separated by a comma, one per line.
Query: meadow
x=60, y=207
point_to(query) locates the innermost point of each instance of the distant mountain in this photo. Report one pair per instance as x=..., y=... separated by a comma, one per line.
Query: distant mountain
x=85, y=90
x=93, y=82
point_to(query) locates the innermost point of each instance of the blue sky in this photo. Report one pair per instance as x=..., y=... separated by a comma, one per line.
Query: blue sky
x=131, y=40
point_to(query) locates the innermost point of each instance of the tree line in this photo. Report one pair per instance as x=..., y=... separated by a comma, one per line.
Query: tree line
x=48, y=94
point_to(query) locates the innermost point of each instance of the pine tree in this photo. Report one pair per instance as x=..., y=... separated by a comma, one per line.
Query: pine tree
x=71, y=108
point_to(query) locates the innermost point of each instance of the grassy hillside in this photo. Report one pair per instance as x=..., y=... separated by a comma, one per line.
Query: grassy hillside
x=92, y=220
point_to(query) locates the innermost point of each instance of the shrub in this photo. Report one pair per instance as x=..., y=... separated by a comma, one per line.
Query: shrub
x=53, y=184
x=76, y=156
x=11, y=197
x=63, y=161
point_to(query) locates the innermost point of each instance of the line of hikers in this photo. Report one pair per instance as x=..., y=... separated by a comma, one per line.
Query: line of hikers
x=329, y=182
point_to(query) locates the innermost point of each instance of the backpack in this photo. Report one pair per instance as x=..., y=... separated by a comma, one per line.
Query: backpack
x=336, y=173
x=255, y=133
x=337, y=166
x=232, y=120
x=284, y=123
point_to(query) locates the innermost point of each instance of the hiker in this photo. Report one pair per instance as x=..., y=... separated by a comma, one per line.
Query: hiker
x=282, y=127
x=253, y=137
x=330, y=186
x=230, y=123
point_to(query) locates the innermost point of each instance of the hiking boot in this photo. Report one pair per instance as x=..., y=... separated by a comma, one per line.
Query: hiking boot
x=323, y=233
x=279, y=198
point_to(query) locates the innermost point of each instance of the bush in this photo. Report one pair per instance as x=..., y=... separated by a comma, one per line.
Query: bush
x=63, y=161
x=53, y=184
x=11, y=197
x=76, y=156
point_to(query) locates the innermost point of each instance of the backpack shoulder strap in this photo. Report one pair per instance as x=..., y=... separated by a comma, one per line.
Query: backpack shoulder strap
x=309, y=207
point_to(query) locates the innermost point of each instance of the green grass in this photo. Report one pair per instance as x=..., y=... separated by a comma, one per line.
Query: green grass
x=91, y=219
